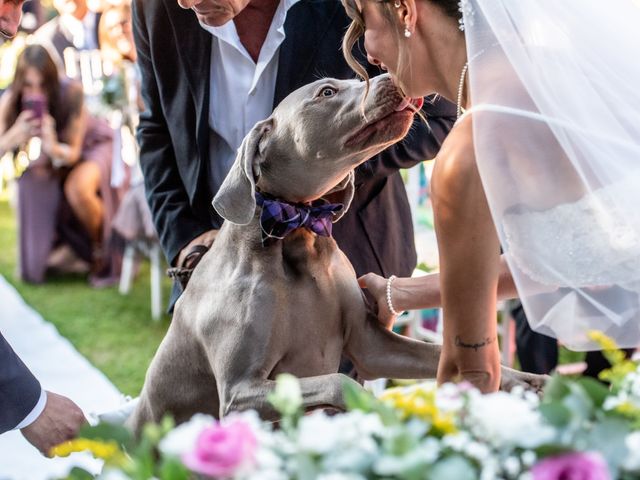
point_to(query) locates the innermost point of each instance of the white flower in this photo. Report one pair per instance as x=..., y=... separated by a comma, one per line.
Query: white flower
x=512, y=466
x=457, y=441
x=489, y=469
x=340, y=476
x=112, y=474
x=183, y=438
x=611, y=403
x=477, y=451
x=268, y=475
x=525, y=427
x=249, y=417
x=632, y=463
x=449, y=398
x=528, y=458
x=287, y=396
x=321, y=434
x=430, y=449
x=267, y=460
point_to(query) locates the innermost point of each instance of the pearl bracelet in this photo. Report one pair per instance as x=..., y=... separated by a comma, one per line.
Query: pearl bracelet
x=389, y=303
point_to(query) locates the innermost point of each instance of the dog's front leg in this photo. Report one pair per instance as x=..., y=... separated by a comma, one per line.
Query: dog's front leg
x=379, y=353
x=317, y=392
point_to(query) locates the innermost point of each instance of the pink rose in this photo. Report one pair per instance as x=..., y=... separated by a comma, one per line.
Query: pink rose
x=222, y=449
x=572, y=466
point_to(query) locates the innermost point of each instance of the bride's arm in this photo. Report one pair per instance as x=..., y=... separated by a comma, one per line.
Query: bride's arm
x=417, y=293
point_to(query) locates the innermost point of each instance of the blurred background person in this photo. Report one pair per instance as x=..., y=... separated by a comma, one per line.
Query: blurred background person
x=64, y=195
x=75, y=28
x=115, y=34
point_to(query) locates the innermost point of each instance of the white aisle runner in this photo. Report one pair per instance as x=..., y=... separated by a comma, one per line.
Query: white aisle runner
x=61, y=369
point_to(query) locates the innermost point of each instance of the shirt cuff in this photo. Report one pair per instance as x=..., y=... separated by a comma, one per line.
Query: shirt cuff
x=35, y=413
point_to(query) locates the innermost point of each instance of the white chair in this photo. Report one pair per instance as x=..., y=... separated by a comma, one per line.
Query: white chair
x=152, y=251
x=134, y=223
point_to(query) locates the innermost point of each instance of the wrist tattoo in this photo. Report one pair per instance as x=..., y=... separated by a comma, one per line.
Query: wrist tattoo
x=474, y=346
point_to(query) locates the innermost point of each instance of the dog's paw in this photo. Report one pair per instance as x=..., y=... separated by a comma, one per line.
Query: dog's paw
x=529, y=381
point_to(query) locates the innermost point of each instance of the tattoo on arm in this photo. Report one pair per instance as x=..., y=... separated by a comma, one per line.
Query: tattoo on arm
x=474, y=346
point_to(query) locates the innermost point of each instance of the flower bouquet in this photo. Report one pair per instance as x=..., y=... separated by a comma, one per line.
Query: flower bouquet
x=580, y=429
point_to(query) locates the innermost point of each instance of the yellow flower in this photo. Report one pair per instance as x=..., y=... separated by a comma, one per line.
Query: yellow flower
x=107, y=451
x=611, y=352
x=419, y=401
x=628, y=409
x=601, y=339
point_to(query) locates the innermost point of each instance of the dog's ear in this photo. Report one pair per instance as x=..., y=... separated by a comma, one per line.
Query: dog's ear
x=236, y=200
x=342, y=193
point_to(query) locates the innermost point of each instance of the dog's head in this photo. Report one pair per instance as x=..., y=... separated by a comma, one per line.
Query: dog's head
x=312, y=142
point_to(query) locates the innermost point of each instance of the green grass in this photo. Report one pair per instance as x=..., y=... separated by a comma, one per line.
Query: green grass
x=115, y=332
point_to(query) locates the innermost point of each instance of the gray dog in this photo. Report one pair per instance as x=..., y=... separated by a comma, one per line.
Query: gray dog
x=251, y=311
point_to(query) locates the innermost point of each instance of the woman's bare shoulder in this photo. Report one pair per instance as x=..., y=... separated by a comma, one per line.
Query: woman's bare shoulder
x=459, y=142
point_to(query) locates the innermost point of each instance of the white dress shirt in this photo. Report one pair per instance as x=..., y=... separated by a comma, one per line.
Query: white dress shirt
x=241, y=90
x=35, y=413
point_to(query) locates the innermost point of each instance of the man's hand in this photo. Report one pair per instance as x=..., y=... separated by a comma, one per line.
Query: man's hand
x=59, y=422
x=206, y=239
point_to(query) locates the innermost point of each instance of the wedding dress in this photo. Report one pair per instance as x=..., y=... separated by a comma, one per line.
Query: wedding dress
x=555, y=94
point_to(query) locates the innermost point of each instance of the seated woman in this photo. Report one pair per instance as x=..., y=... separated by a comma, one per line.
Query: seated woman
x=64, y=195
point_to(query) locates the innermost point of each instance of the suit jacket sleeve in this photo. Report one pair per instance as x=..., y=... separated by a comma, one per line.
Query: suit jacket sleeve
x=168, y=200
x=19, y=389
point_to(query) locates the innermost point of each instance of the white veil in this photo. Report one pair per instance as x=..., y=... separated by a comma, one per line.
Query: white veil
x=555, y=90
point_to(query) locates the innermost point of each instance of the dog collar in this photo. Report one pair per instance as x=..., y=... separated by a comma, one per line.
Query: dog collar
x=279, y=218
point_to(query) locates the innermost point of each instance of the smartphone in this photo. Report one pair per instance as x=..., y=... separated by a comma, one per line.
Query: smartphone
x=36, y=103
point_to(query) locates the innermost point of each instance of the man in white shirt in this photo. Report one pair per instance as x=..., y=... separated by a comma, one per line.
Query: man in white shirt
x=211, y=69
x=45, y=418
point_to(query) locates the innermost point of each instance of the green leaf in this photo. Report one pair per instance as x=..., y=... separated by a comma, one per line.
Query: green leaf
x=579, y=402
x=172, y=469
x=107, y=432
x=556, y=389
x=356, y=397
x=454, y=467
x=77, y=473
x=608, y=437
x=551, y=450
x=596, y=390
x=556, y=414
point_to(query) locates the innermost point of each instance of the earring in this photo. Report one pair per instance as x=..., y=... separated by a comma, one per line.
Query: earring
x=397, y=4
x=407, y=32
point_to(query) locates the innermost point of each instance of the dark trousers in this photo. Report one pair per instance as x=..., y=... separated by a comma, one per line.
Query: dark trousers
x=538, y=353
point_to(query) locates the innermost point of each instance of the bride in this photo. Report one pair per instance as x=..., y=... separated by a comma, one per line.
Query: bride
x=543, y=163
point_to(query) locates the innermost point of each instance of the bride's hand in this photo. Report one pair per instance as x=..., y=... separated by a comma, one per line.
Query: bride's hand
x=377, y=286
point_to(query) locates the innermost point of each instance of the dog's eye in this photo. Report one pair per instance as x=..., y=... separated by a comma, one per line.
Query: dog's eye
x=328, y=92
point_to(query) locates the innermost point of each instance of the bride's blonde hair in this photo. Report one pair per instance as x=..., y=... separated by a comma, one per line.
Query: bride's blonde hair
x=357, y=29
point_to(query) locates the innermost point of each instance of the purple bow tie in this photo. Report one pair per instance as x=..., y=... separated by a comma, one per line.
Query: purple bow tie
x=279, y=219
